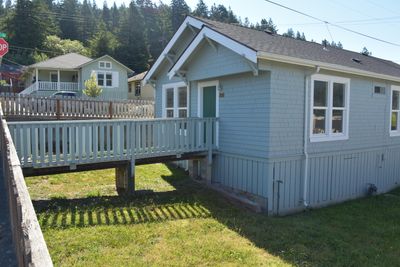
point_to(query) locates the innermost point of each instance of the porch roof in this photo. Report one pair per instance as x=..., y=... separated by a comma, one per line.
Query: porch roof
x=67, y=61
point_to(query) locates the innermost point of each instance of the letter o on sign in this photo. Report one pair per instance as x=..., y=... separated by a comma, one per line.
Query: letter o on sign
x=3, y=47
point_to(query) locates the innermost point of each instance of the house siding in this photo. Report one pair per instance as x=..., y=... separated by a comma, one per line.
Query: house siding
x=116, y=92
x=261, y=133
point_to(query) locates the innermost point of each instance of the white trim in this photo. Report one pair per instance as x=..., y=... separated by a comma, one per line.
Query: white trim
x=205, y=33
x=200, y=87
x=105, y=72
x=328, y=136
x=175, y=87
x=324, y=65
x=391, y=132
x=105, y=65
x=188, y=21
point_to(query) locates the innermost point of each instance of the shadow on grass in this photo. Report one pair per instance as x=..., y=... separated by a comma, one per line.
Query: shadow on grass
x=358, y=233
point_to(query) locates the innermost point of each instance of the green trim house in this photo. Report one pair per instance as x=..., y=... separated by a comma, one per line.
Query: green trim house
x=70, y=71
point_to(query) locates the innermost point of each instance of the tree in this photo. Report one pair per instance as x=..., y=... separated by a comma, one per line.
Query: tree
x=70, y=19
x=221, y=13
x=179, y=10
x=92, y=89
x=289, y=33
x=267, y=25
x=103, y=43
x=133, y=49
x=201, y=10
x=2, y=9
x=365, y=52
x=59, y=46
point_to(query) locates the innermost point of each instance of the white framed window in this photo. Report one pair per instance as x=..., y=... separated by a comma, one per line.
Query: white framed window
x=105, y=79
x=175, y=99
x=330, y=98
x=105, y=65
x=395, y=111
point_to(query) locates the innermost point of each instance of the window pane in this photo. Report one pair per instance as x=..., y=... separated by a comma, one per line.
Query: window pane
x=170, y=113
x=338, y=95
x=182, y=93
x=320, y=93
x=182, y=113
x=109, y=79
x=337, y=121
x=395, y=100
x=394, y=121
x=319, y=121
x=170, y=98
x=100, y=79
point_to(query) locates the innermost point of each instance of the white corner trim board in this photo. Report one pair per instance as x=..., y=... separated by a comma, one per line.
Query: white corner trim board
x=206, y=32
x=188, y=22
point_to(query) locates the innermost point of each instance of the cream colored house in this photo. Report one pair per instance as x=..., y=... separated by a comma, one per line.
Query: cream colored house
x=137, y=91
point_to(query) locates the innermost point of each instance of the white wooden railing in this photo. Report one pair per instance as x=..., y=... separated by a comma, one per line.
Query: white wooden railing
x=30, y=246
x=62, y=143
x=22, y=107
x=51, y=86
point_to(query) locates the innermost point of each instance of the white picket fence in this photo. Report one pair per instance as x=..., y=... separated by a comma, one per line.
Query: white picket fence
x=18, y=106
x=62, y=143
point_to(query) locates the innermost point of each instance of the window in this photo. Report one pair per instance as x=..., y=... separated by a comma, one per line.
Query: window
x=105, y=79
x=100, y=79
x=53, y=77
x=379, y=90
x=138, y=88
x=175, y=100
x=105, y=65
x=330, y=108
x=395, y=111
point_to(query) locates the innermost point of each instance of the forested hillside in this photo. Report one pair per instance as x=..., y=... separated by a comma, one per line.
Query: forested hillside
x=133, y=34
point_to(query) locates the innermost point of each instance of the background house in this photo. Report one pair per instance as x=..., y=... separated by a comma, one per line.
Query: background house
x=137, y=90
x=70, y=71
x=299, y=124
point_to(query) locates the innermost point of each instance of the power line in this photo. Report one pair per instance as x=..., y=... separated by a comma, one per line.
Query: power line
x=332, y=24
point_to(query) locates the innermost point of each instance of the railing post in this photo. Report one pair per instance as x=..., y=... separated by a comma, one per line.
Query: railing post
x=110, y=111
x=58, y=109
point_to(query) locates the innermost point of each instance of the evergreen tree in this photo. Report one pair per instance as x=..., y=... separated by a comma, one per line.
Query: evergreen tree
x=201, y=10
x=267, y=25
x=289, y=33
x=179, y=10
x=70, y=19
x=133, y=49
x=103, y=43
x=164, y=24
x=2, y=8
x=114, y=12
x=366, y=52
x=221, y=13
x=88, y=27
x=106, y=15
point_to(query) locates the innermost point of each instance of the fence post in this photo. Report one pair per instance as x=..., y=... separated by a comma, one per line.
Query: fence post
x=58, y=109
x=110, y=111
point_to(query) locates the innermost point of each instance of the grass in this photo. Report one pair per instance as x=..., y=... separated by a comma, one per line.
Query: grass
x=183, y=223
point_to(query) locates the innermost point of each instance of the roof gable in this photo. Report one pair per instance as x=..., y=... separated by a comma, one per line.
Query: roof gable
x=106, y=57
x=67, y=61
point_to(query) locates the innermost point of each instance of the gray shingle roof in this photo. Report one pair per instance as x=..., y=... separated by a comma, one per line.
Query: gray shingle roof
x=261, y=41
x=67, y=61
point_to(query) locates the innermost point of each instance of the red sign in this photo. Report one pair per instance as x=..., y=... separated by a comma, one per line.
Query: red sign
x=3, y=47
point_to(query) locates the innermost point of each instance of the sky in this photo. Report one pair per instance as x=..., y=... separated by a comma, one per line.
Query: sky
x=378, y=18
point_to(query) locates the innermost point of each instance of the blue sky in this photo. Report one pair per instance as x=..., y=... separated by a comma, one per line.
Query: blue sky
x=379, y=18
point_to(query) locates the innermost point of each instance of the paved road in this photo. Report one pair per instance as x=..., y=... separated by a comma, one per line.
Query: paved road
x=7, y=254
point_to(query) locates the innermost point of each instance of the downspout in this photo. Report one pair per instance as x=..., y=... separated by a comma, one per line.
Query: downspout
x=306, y=131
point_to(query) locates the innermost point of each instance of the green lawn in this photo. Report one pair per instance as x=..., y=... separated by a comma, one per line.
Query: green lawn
x=184, y=224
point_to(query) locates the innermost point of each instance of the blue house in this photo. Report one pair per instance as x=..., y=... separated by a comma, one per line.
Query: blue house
x=300, y=125
x=70, y=71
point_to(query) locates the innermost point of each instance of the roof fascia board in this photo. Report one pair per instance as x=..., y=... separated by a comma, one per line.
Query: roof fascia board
x=217, y=37
x=324, y=65
x=188, y=21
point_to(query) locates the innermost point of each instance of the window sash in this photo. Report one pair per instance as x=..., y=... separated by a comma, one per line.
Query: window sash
x=395, y=129
x=331, y=123
x=176, y=107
